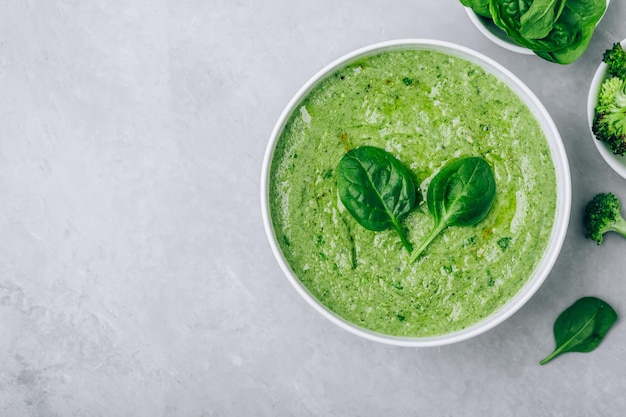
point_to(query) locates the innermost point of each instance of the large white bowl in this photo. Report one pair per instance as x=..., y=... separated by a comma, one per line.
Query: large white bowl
x=617, y=162
x=563, y=191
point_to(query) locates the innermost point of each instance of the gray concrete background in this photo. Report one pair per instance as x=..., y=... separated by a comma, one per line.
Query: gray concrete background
x=135, y=276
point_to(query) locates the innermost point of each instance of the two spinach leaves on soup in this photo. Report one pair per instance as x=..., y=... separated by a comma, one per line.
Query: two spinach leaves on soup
x=378, y=191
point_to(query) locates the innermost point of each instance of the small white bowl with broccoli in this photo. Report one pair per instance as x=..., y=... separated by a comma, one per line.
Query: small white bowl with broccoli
x=606, y=108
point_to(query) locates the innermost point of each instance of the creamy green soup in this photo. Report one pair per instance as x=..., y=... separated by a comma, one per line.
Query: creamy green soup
x=426, y=108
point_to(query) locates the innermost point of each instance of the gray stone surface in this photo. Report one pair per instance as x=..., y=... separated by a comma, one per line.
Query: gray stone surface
x=135, y=276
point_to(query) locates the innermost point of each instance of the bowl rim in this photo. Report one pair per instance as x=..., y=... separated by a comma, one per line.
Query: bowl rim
x=616, y=162
x=477, y=21
x=561, y=216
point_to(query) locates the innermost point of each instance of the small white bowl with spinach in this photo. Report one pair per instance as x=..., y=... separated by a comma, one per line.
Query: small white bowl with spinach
x=555, y=30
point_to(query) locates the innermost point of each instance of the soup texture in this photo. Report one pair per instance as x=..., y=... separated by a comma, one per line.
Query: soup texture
x=426, y=108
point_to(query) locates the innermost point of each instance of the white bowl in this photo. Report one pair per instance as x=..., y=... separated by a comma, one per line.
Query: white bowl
x=496, y=35
x=617, y=162
x=563, y=202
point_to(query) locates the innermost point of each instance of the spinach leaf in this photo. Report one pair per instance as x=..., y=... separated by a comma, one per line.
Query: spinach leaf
x=461, y=194
x=582, y=326
x=540, y=18
x=590, y=11
x=584, y=15
x=566, y=30
x=480, y=7
x=376, y=189
x=507, y=14
x=571, y=52
x=556, y=30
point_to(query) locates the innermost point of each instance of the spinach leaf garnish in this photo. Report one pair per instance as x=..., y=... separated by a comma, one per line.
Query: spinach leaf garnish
x=581, y=327
x=376, y=189
x=461, y=194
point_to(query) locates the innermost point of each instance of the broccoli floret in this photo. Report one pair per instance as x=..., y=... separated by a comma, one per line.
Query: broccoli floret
x=609, y=122
x=615, y=58
x=602, y=215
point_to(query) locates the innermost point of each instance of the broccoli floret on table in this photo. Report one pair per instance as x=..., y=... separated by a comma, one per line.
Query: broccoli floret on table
x=602, y=215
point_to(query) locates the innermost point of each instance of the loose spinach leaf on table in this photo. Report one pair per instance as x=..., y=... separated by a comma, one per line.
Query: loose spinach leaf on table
x=582, y=326
x=376, y=189
x=461, y=194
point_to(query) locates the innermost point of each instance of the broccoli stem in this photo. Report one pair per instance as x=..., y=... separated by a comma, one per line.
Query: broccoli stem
x=619, y=226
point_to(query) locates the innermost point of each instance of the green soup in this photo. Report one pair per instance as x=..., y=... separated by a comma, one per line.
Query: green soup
x=426, y=108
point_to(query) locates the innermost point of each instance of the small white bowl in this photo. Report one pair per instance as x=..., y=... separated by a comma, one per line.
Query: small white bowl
x=495, y=34
x=617, y=162
x=498, y=36
x=563, y=192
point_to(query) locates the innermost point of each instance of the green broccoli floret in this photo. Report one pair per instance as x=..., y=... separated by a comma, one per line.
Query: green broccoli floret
x=602, y=215
x=609, y=122
x=615, y=58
